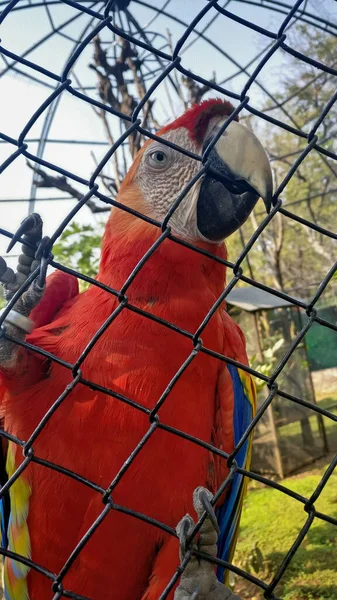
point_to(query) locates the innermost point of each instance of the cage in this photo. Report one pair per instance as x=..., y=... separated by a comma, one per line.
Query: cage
x=288, y=437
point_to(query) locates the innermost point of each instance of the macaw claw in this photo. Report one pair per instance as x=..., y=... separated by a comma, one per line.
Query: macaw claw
x=41, y=256
x=31, y=257
x=35, y=254
x=7, y=275
x=184, y=528
x=31, y=231
x=198, y=581
x=208, y=508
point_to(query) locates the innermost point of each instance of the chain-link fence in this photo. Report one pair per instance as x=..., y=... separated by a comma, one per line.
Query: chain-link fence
x=138, y=126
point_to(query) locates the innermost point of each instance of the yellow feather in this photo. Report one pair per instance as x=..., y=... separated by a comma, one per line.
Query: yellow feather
x=15, y=573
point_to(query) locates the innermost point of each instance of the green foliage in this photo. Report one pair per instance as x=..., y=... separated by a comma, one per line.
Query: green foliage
x=2, y=299
x=78, y=248
x=270, y=356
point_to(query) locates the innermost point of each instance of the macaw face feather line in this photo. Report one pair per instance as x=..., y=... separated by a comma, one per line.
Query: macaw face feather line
x=162, y=186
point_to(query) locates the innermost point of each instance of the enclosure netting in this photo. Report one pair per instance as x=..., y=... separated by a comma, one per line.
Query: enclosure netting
x=104, y=18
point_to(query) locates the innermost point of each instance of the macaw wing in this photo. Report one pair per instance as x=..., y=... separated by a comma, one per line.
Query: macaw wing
x=228, y=514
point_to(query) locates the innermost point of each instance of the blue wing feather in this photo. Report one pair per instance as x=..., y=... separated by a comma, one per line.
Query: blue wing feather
x=229, y=513
x=3, y=526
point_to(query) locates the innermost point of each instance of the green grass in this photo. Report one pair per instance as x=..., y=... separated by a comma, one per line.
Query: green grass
x=273, y=520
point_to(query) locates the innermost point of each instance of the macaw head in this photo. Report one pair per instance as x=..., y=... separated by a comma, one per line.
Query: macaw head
x=221, y=200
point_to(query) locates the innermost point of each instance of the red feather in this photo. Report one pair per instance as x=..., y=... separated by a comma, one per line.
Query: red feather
x=197, y=118
x=93, y=434
x=60, y=287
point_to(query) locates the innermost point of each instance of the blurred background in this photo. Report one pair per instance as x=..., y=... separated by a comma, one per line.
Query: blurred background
x=291, y=441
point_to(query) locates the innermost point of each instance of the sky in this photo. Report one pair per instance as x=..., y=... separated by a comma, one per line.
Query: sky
x=75, y=120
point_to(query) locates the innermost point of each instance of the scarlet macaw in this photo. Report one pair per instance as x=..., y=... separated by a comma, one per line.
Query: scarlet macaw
x=93, y=433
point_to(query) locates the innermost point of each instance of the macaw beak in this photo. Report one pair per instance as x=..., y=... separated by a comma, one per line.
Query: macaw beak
x=239, y=174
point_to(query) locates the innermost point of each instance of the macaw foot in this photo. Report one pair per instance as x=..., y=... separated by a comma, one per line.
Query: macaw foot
x=198, y=581
x=17, y=323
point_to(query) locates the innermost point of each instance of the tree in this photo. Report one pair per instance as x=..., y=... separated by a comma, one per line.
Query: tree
x=289, y=255
x=78, y=248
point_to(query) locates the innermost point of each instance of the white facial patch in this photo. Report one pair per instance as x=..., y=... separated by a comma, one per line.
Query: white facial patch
x=162, y=184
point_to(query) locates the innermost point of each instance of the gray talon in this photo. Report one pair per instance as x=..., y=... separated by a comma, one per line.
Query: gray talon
x=208, y=508
x=7, y=275
x=43, y=245
x=184, y=528
x=3, y=266
x=17, y=322
x=40, y=256
x=31, y=231
x=198, y=581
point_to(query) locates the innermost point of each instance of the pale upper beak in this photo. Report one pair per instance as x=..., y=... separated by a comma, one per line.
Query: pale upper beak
x=246, y=158
x=239, y=173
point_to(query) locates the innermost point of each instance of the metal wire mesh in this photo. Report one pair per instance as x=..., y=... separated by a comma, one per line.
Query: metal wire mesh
x=104, y=19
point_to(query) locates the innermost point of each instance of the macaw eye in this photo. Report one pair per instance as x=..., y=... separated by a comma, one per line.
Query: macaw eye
x=158, y=159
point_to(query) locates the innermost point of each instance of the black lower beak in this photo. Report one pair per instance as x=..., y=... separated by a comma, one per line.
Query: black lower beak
x=221, y=212
x=224, y=203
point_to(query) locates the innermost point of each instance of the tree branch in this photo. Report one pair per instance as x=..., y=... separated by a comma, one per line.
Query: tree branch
x=61, y=183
